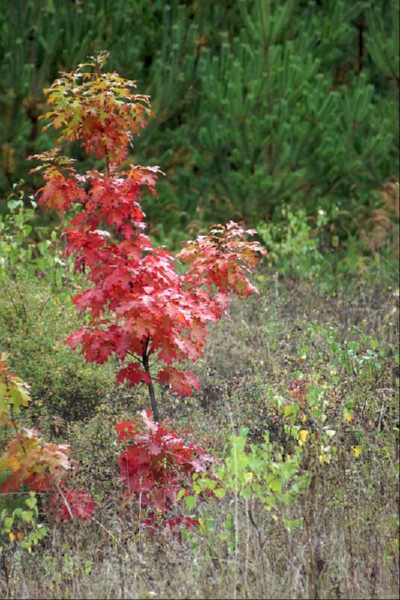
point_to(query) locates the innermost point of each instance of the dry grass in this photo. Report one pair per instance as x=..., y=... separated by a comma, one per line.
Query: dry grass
x=348, y=545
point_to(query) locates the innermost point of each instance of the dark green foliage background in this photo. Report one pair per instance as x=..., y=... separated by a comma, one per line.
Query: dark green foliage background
x=258, y=103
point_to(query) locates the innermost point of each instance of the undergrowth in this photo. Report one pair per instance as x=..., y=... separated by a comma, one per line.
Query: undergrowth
x=335, y=537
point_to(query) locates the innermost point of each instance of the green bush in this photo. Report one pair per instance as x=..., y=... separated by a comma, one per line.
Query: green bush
x=19, y=522
x=36, y=316
x=33, y=328
x=293, y=244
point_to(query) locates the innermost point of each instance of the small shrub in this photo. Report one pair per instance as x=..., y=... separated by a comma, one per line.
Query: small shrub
x=156, y=466
x=28, y=463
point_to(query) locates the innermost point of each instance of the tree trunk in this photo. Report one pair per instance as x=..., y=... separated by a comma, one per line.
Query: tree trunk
x=152, y=395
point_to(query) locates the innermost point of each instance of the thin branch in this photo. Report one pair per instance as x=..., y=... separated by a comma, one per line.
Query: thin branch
x=135, y=357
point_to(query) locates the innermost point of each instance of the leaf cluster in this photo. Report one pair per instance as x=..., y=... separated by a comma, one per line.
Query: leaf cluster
x=157, y=465
x=30, y=463
x=99, y=109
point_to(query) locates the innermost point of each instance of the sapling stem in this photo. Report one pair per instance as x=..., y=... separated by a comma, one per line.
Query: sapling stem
x=150, y=387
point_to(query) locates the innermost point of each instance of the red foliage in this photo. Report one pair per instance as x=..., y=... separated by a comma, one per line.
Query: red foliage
x=71, y=503
x=157, y=464
x=140, y=307
x=174, y=524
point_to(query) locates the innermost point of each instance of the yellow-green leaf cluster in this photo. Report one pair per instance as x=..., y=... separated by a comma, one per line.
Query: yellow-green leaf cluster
x=14, y=392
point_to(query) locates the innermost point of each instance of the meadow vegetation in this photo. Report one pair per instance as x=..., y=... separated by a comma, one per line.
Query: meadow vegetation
x=268, y=466
x=298, y=406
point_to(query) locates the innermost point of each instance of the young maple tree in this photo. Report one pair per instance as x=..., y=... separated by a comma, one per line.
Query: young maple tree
x=142, y=310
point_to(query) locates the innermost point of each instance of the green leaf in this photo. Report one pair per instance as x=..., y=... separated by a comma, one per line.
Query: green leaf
x=276, y=486
x=190, y=501
x=271, y=501
x=247, y=493
x=19, y=395
x=208, y=484
x=292, y=524
x=13, y=204
x=27, y=515
x=31, y=501
x=288, y=410
x=180, y=495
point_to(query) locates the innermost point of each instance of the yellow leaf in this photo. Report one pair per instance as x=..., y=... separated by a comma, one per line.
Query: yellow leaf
x=347, y=415
x=356, y=450
x=12, y=536
x=304, y=433
x=248, y=477
x=324, y=458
